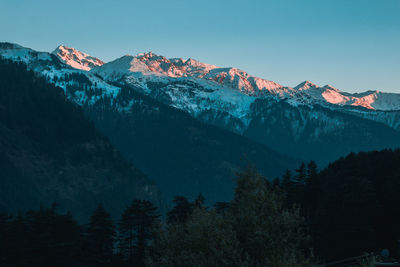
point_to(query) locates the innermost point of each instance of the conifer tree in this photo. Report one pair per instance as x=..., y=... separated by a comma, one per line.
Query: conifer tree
x=286, y=181
x=300, y=177
x=53, y=239
x=199, y=201
x=100, y=238
x=312, y=189
x=181, y=211
x=136, y=229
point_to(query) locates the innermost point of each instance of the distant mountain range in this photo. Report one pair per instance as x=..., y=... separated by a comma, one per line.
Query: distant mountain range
x=304, y=122
x=149, y=64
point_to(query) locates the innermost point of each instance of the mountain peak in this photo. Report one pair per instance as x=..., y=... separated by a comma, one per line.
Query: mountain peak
x=76, y=58
x=305, y=85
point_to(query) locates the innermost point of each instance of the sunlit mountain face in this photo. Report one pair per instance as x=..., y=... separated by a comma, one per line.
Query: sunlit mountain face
x=76, y=59
x=307, y=121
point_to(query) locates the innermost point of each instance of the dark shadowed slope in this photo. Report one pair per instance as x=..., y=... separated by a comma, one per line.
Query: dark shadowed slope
x=184, y=156
x=49, y=152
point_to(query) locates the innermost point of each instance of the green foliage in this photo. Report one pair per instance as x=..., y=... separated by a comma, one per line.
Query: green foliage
x=268, y=232
x=205, y=239
x=255, y=229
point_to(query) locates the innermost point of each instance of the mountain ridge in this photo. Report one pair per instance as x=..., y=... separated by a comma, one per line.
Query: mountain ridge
x=224, y=97
x=76, y=58
x=150, y=63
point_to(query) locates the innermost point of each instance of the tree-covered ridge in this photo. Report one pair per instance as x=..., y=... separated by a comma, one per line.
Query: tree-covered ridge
x=50, y=152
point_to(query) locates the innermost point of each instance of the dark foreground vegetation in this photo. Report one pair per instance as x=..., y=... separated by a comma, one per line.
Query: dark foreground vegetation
x=347, y=209
x=352, y=206
x=254, y=229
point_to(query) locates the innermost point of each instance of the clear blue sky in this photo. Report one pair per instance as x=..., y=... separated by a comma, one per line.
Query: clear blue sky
x=350, y=44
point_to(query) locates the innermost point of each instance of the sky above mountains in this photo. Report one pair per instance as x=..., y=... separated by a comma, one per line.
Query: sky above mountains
x=350, y=44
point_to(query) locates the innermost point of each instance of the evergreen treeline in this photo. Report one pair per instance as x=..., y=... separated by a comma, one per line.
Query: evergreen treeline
x=48, y=238
x=254, y=229
x=350, y=207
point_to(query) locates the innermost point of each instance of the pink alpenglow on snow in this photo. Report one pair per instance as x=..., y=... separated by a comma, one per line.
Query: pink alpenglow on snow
x=158, y=68
x=76, y=59
x=152, y=64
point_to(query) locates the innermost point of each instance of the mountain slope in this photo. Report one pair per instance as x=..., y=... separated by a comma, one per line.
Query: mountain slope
x=316, y=132
x=49, y=152
x=183, y=155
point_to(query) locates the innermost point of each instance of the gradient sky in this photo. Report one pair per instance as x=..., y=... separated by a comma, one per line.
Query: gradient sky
x=352, y=45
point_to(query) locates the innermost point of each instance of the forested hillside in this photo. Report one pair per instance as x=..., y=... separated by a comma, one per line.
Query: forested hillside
x=183, y=155
x=49, y=152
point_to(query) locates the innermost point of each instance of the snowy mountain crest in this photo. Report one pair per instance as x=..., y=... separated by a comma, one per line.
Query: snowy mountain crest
x=76, y=59
x=305, y=86
x=156, y=65
x=202, y=81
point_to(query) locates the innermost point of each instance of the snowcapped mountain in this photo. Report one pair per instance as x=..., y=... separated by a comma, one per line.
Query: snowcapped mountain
x=60, y=73
x=150, y=64
x=227, y=97
x=154, y=68
x=76, y=59
x=373, y=100
x=224, y=96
